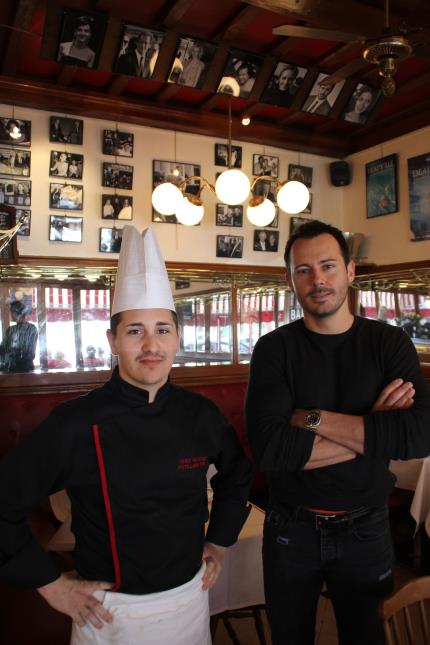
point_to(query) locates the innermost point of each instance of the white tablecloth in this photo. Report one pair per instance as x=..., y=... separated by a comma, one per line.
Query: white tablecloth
x=414, y=474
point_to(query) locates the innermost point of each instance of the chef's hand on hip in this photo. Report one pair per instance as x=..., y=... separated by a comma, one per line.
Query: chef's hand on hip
x=73, y=596
x=213, y=555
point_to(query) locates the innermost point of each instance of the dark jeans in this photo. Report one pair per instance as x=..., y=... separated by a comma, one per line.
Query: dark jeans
x=353, y=558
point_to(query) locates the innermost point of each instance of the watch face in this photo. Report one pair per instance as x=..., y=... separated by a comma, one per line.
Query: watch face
x=313, y=419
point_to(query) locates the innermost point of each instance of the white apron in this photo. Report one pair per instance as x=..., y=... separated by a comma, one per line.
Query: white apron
x=178, y=616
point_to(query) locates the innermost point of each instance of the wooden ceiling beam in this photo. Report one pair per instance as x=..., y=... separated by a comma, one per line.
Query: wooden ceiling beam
x=233, y=28
x=176, y=13
x=22, y=19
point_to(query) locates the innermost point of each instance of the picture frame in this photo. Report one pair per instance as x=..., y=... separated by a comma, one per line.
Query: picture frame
x=117, y=207
x=239, y=74
x=265, y=188
x=65, y=228
x=283, y=85
x=115, y=175
x=308, y=208
x=118, y=144
x=361, y=103
x=296, y=172
x=24, y=229
x=15, y=132
x=419, y=197
x=69, y=165
x=228, y=215
x=66, y=130
x=266, y=241
x=275, y=221
x=295, y=222
x=15, y=192
x=381, y=187
x=321, y=98
x=221, y=156
x=81, y=37
x=110, y=240
x=175, y=172
x=191, y=62
x=265, y=165
x=138, y=51
x=229, y=246
x=66, y=196
x=15, y=163
x=9, y=254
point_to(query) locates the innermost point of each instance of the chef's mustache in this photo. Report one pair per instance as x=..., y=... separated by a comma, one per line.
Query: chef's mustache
x=317, y=292
x=152, y=355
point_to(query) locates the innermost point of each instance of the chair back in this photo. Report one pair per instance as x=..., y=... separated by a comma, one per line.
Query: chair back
x=406, y=614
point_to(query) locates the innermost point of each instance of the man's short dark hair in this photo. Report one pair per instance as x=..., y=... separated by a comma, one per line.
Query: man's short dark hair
x=312, y=229
x=116, y=319
x=18, y=309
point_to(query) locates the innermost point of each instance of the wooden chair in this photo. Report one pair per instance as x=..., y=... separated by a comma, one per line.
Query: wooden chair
x=406, y=614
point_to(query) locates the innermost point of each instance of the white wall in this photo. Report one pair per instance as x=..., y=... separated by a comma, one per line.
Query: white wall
x=388, y=236
x=178, y=243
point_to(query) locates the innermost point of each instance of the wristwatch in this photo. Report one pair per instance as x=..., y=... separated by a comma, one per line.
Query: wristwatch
x=312, y=419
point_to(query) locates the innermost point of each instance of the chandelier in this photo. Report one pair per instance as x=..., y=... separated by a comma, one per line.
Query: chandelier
x=232, y=187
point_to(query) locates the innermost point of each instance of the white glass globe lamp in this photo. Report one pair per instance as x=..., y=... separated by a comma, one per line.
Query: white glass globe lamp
x=165, y=198
x=232, y=187
x=293, y=197
x=190, y=211
x=261, y=213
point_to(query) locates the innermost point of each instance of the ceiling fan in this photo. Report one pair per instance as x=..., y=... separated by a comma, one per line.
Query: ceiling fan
x=385, y=52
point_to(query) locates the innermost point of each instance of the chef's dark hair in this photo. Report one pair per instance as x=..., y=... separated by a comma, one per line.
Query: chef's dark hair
x=116, y=319
x=312, y=229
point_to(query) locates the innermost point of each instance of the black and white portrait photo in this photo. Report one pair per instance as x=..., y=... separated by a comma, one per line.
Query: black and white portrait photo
x=361, y=103
x=296, y=222
x=229, y=215
x=15, y=192
x=266, y=240
x=322, y=97
x=115, y=175
x=119, y=144
x=175, y=172
x=265, y=188
x=110, y=240
x=265, y=165
x=66, y=130
x=25, y=216
x=138, y=51
x=66, y=164
x=191, y=62
x=275, y=221
x=284, y=84
x=300, y=173
x=81, y=37
x=15, y=162
x=65, y=229
x=66, y=196
x=221, y=155
x=229, y=246
x=239, y=74
x=308, y=208
x=15, y=132
x=117, y=207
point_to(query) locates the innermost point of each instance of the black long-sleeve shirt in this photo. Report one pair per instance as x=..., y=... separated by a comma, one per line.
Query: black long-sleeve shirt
x=156, y=457
x=293, y=367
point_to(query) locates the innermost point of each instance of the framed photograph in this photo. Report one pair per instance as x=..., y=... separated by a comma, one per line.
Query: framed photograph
x=295, y=222
x=265, y=165
x=66, y=164
x=419, y=197
x=300, y=173
x=15, y=162
x=117, y=207
x=229, y=215
x=81, y=37
x=110, y=240
x=322, y=97
x=24, y=229
x=308, y=208
x=65, y=130
x=191, y=63
x=381, y=186
x=15, y=192
x=239, y=74
x=361, y=103
x=118, y=143
x=266, y=188
x=66, y=196
x=15, y=132
x=117, y=175
x=284, y=84
x=275, y=221
x=221, y=155
x=65, y=229
x=9, y=253
x=266, y=240
x=175, y=172
x=229, y=246
x=138, y=51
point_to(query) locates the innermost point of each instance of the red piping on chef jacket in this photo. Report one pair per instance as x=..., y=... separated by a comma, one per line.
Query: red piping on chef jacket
x=109, y=515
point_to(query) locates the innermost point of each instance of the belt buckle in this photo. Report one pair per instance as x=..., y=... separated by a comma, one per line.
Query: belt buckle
x=320, y=520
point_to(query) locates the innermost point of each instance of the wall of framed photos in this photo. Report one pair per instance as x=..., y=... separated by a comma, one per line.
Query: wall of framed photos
x=74, y=189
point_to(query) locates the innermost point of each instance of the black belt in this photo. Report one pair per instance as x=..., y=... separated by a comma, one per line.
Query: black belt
x=320, y=520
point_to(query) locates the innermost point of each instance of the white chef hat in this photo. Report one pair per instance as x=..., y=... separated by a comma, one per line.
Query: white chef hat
x=142, y=281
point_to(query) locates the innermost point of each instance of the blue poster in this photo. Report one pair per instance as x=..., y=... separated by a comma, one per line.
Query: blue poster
x=419, y=196
x=381, y=186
